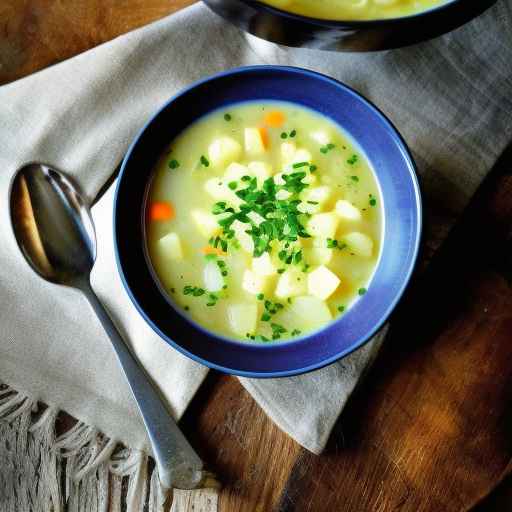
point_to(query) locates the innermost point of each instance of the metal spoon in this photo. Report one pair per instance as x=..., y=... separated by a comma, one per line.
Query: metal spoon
x=55, y=232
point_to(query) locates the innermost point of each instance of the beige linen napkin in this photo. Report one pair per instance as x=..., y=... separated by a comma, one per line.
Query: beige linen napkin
x=450, y=98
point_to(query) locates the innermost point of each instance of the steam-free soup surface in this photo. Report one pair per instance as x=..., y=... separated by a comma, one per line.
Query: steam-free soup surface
x=354, y=9
x=264, y=221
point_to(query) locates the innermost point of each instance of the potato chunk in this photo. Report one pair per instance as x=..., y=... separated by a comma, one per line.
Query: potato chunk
x=205, y=222
x=263, y=265
x=359, y=244
x=169, y=246
x=290, y=284
x=261, y=170
x=318, y=255
x=347, y=211
x=212, y=277
x=323, y=225
x=242, y=318
x=235, y=171
x=254, y=283
x=304, y=313
x=254, y=144
x=223, y=151
x=322, y=283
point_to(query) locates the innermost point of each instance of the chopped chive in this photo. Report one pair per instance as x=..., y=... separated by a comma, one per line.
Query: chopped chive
x=289, y=300
x=225, y=287
x=232, y=185
x=280, y=270
x=221, y=263
x=354, y=178
x=186, y=308
x=352, y=160
x=312, y=168
x=174, y=164
x=227, y=117
x=341, y=309
x=204, y=161
x=362, y=291
x=245, y=178
x=312, y=202
x=224, y=273
x=373, y=201
x=330, y=145
x=300, y=164
x=284, y=135
x=293, y=133
x=265, y=317
x=323, y=150
x=260, y=296
x=295, y=332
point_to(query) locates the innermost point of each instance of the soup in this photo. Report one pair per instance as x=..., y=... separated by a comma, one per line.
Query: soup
x=354, y=9
x=263, y=221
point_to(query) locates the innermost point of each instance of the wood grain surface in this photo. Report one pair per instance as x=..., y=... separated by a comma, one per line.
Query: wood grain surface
x=429, y=429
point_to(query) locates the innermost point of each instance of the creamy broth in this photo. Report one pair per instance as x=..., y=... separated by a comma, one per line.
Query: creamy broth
x=264, y=221
x=354, y=9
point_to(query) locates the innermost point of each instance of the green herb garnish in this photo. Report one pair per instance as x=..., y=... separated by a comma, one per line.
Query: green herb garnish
x=362, y=291
x=174, y=164
x=204, y=161
x=227, y=117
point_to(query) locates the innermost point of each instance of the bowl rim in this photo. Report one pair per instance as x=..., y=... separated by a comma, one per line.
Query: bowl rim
x=357, y=344
x=356, y=24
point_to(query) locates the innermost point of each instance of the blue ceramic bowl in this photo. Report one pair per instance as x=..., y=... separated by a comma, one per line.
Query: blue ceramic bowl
x=290, y=29
x=396, y=175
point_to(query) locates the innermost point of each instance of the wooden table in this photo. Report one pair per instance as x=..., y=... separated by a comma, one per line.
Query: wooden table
x=430, y=427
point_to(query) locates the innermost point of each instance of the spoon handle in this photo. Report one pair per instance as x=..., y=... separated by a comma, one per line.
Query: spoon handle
x=178, y=464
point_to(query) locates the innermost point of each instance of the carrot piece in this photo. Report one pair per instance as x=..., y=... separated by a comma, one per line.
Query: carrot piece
x=264, y=136
x=162, y=211
x=274, y=119
x=208, y=249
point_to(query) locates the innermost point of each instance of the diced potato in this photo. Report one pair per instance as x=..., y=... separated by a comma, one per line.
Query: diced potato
x=254, y=145
x=254, y=283
x=244, y=238
x=290, y=284
x=219, y=190
x=304, y=313
x=323, y=225
x=359, y=244
x=235, y=171
x=261, y=170
x=287, y=151
x=242, y=318
x=322, y=283
x=318, y=255
x=263, y=265
x=318, y=194
x=223, y=151
x=212, y=277
x=169, y=246
x=347, y=211
x=205, y=222
x=320, y=136
x=282, y=195
x=301, y=155
x=255, y=217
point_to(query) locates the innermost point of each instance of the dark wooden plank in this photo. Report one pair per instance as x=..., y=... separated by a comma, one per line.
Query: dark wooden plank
x=37, y=33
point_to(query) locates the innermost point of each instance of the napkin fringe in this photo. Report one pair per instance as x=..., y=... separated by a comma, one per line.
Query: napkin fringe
x=80, y=470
